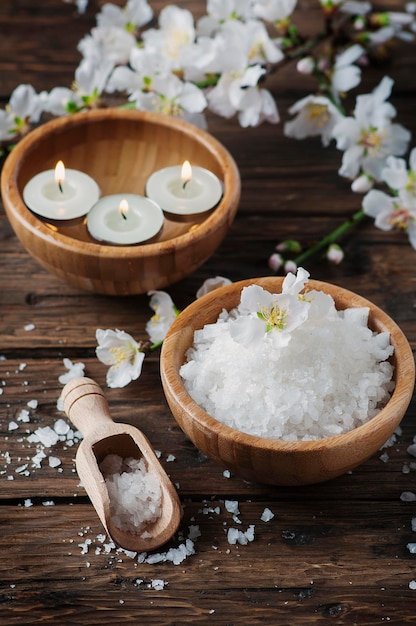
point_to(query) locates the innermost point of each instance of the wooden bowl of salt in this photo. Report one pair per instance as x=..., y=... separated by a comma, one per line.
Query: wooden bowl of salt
x=119, y=150
x=272, y=460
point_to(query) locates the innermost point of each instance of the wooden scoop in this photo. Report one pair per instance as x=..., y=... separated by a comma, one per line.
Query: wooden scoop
x=87, y=408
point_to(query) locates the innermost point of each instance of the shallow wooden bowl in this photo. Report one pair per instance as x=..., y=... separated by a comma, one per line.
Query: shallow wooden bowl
x=119, y=149
x=272, y=461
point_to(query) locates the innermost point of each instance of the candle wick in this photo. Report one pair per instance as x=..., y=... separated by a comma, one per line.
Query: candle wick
x=123, y=215
x=185, y=183
x=60, y=186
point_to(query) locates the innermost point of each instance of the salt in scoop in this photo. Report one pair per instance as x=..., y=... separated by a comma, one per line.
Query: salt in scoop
x=86, y=406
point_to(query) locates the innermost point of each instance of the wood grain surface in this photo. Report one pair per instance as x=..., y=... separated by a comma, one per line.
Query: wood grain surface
x=337, y=552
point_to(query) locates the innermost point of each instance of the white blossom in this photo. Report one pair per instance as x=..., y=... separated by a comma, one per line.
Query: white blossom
x=175, y=34
x=392, y=211
x=274, y=10
x=134, y=14
x=211, y=284
x=369, y=137
x=122, y=354
x=107, y=43
x=165, y=313
x=315, y=116
x=346, y=75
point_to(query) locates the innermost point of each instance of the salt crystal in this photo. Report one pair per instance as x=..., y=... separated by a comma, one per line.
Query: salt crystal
x=408, y=496
x=134, y=492
x=61, y=427
x=170, y=458
x=13, y=425
x=28, y=502
x=412, y=548
x=412, y=449
x=32, y=404
x=307, y=391
x=48, y=503
x=75, y=370
x=226, y=473
x=414, y=524
x=47, y=436
x=54, y=461
x=412, y=584
x=38, y=458
x=23, y=416
x=232, y=506
x=29, y=327
x=267, y=515
x=158, y=584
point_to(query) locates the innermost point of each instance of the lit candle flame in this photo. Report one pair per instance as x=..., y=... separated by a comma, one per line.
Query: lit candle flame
x=60, y=174
x=186, y=173
x=123, y=207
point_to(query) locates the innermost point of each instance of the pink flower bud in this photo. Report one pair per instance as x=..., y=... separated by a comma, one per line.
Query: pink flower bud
x=275, y=261
x=290, y=266
x=305, y=65
x=335, y=253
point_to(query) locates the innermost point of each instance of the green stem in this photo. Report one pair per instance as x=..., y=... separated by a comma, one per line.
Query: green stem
x=331, y=237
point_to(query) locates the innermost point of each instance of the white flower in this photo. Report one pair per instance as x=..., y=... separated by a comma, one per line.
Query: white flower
x=212, y=283
x=7, y=125
x=261, y=312
x=133, y=15
x=62, y=100
x=392, y=212
x=305, y=65
x=165, y=313
x=274, y=10
x=316, y=116
x=122, y=353
x=239, y=93
x=369, y=137
x=397, y=176
x=26, y=106
x=220, y=12
x=107, y=43
x=175, y=33
x=345, y=74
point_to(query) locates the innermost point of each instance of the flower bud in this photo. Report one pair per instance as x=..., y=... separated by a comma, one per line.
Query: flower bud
x=335, y=253
x=362, y=184
x=290, y=266
x=305, y=65
x=275, y=262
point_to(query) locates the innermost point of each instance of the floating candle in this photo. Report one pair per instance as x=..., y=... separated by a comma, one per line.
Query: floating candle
x=184, y=190
x=61, y=194
x=124, y=219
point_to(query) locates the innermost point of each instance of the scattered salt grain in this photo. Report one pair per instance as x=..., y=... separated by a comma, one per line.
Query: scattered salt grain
x=75, y=370
x=267, y=515
x=226, y=474
x=29, y=327
x=237, y=536
x=232, y=506
x=408, y=496
x=28, y=502
x=23, y=416
x=412, y=584
x=13, y=425
x=134, y=492
x=323, y=394
x=158, y=584
x=170, y=458
x=412, y=548
x=413, y=523
x=48, y=503
x=32, y=404
x=54, y=461
x=412, y=449
x=47, y=436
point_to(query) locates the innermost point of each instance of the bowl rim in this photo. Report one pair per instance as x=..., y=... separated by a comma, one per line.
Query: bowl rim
x=403, y=375
x=14, y=204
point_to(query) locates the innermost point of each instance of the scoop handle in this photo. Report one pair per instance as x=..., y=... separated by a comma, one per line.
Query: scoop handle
x=85, y=404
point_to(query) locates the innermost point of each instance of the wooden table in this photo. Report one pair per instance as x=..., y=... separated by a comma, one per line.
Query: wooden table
x=333, y=553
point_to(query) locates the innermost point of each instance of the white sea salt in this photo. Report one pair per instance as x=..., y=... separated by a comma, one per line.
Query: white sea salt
x=267, y=515
x=134, y=492
x=326, y=376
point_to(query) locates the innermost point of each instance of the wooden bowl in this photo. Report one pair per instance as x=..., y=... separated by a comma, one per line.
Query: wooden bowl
x=119, y=149
x=272, y=461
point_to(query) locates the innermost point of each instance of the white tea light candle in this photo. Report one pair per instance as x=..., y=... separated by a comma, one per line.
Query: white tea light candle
x=61, y=194
x=124, y=219
x=184, y=190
